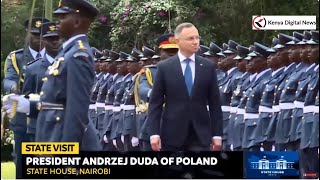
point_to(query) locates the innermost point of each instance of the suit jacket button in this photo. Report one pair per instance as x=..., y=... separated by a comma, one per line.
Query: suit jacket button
x=57, y=118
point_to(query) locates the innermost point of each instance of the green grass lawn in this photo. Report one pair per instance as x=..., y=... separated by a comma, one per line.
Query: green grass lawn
x=8, y=170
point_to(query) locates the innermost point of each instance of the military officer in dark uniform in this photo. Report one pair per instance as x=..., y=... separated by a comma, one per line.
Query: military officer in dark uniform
x=35, y=71
x=251, y=116
x=128, y=118
x=112, y=98
x=65, y=96
x=226, y=87
x=211, y=54
x=15, y=66
x=308, y=89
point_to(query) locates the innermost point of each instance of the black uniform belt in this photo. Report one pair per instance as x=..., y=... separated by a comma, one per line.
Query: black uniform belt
x=50, y=106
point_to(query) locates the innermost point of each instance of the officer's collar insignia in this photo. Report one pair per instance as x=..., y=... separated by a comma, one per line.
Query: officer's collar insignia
x=172, y=40
x=80, y=44
x=52, y=27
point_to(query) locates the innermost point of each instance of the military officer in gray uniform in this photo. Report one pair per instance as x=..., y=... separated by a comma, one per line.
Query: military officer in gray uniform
x=226, y=88
x=65, y=96
x=251, y=116
x=99, y=58
x=112, y=99
x=128, y=117
x=308, y=90
x=36, y=69
x=265, y=107
x=283, y=54
x=303, y=81
x=143, y=85
x=287, y=98
x=118, y=106
x=241, y=82
x=110, y=67
x=15, y=66
x=211, y=54
x=242, y=93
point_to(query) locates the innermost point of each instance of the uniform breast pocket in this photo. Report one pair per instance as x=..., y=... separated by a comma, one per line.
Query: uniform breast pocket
x=53, y=126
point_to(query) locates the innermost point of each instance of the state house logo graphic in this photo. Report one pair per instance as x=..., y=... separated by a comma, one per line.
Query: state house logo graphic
x=259, y=22
x=279, y=164
x=272, y=164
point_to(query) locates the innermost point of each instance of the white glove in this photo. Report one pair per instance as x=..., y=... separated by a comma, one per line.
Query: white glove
x=105, y=139
x=134, y=141
x=122, y=138
x=114, y=142
x=23, y=105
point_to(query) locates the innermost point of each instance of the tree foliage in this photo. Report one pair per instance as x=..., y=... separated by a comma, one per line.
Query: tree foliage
x=124, y=24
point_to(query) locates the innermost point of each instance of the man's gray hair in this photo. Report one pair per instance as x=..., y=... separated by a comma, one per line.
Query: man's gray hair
x=180, y=27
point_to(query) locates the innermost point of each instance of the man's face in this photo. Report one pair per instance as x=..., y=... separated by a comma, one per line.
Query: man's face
x=122, y=68
x=304, y=53
x=313, y=54
x=65, y=25
x=97, y=66
x=242, y=65
x=52, y=44
x=188, y=40
x=271, y=60
x=133, y=67
x=166, y=53
x=35, y=41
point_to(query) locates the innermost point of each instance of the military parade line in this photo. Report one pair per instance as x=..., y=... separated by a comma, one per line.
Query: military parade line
x=269, y=95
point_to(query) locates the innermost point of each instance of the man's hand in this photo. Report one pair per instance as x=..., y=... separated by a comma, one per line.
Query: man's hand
x=23, y=105
x=155, y=142
x=216, y=144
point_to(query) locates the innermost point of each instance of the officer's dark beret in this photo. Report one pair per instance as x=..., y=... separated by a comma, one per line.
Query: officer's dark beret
x=113, y=56
x=232, y=47
x=36, y=24
x=147, y=53
x=167, y=41
x=49, y=29
x=77, y=6
x=123, y=56
x=202, y=50
x=242, y=52
x=135, y=55
x=314, y=38
x=213, y=50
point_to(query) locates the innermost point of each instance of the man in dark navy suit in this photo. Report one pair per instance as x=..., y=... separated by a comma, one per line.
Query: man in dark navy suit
x=182, y=90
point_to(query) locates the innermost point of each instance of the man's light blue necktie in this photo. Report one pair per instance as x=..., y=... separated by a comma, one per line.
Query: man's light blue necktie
x=188, y=76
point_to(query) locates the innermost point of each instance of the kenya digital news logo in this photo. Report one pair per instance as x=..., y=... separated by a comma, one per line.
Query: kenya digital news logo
x=259, y=22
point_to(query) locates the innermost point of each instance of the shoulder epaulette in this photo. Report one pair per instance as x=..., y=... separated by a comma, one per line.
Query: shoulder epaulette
x=151, y=66
x=18, y=51
x=31, y=62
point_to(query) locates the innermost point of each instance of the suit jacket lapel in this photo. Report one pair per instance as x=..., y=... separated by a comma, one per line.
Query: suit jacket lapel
x=197, y=75
x=176, y=65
